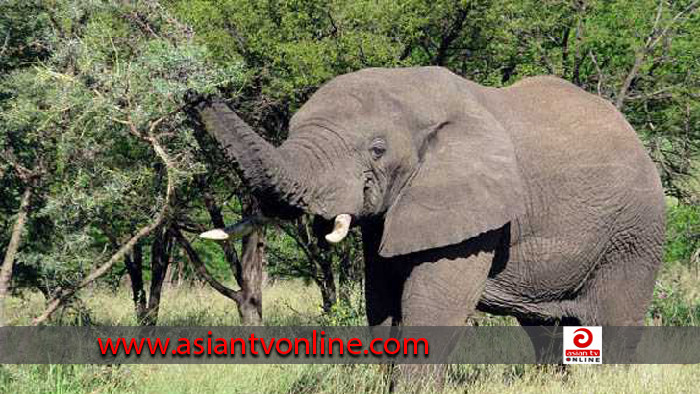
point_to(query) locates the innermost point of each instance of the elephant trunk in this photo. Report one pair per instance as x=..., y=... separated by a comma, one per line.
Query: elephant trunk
x=262, y=165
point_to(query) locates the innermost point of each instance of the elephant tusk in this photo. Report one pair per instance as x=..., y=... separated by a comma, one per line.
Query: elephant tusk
x=340, y=228
x=238, y=230
x=216, y=234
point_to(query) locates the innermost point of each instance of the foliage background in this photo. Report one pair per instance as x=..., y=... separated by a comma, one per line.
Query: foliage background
x=74, y=71
x=82, y=83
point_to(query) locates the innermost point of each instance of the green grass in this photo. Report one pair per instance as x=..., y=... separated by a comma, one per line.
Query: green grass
x=293, y=303
x=342, y=379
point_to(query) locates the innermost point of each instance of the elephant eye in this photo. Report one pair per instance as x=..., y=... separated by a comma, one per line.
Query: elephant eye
x=377, y=148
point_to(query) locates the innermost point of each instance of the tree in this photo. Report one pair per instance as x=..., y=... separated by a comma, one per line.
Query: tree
x=107, y=104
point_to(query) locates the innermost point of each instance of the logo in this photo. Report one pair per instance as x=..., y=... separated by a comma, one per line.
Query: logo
x=583, y=345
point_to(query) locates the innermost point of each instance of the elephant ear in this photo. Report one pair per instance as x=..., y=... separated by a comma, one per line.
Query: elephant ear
x=467, y=182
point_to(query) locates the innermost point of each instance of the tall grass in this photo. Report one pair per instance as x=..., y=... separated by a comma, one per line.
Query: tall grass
x=293, y=303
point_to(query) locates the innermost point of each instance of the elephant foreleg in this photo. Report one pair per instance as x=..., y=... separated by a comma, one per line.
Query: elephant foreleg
x=444, y=291
x=382, y=293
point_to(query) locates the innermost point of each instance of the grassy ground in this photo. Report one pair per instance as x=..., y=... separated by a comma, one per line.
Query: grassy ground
x=292, y=303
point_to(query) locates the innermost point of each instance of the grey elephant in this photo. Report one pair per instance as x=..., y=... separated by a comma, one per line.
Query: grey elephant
x=536, y=200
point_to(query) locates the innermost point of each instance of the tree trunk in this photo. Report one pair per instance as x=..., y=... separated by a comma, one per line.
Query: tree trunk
x=345, y=278
x=248, y=270
x=169, y=272
x=320, y=259
x=159, y=264
x=134, y=266
x=250, y=303
x=217, y=219
x=180, y=271
x=12, y=247
x=248, y=298
x=327, y=283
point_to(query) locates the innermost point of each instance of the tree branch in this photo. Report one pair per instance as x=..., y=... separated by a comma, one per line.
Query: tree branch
x=200, y=267
x=12, y=247
x=687, y=10
x=652, y=40
x=599, y=72
x=23, y=172
x=578, y=59
x=5, y=44
x=450, y=35
x=65, y=295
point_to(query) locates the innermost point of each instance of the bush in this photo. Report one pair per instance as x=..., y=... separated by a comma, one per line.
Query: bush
x=683, y=233
x=671, y=307
x=348, y=311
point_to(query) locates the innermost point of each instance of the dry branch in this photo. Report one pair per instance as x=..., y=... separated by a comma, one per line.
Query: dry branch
x=12, y=247
x=30, y=179
x=600, y=74
x=654, y=37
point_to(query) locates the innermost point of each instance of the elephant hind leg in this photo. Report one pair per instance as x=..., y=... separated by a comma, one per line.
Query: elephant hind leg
x=544, y=338
x=622, y=288
x=619, y=296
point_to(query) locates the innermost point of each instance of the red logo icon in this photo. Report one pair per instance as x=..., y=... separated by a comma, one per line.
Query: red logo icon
x=584, y=339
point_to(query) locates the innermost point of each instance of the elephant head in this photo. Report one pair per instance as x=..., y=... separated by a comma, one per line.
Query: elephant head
x=416, y=147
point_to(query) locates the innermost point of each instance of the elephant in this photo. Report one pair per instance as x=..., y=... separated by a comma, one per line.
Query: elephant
x=536, y=200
